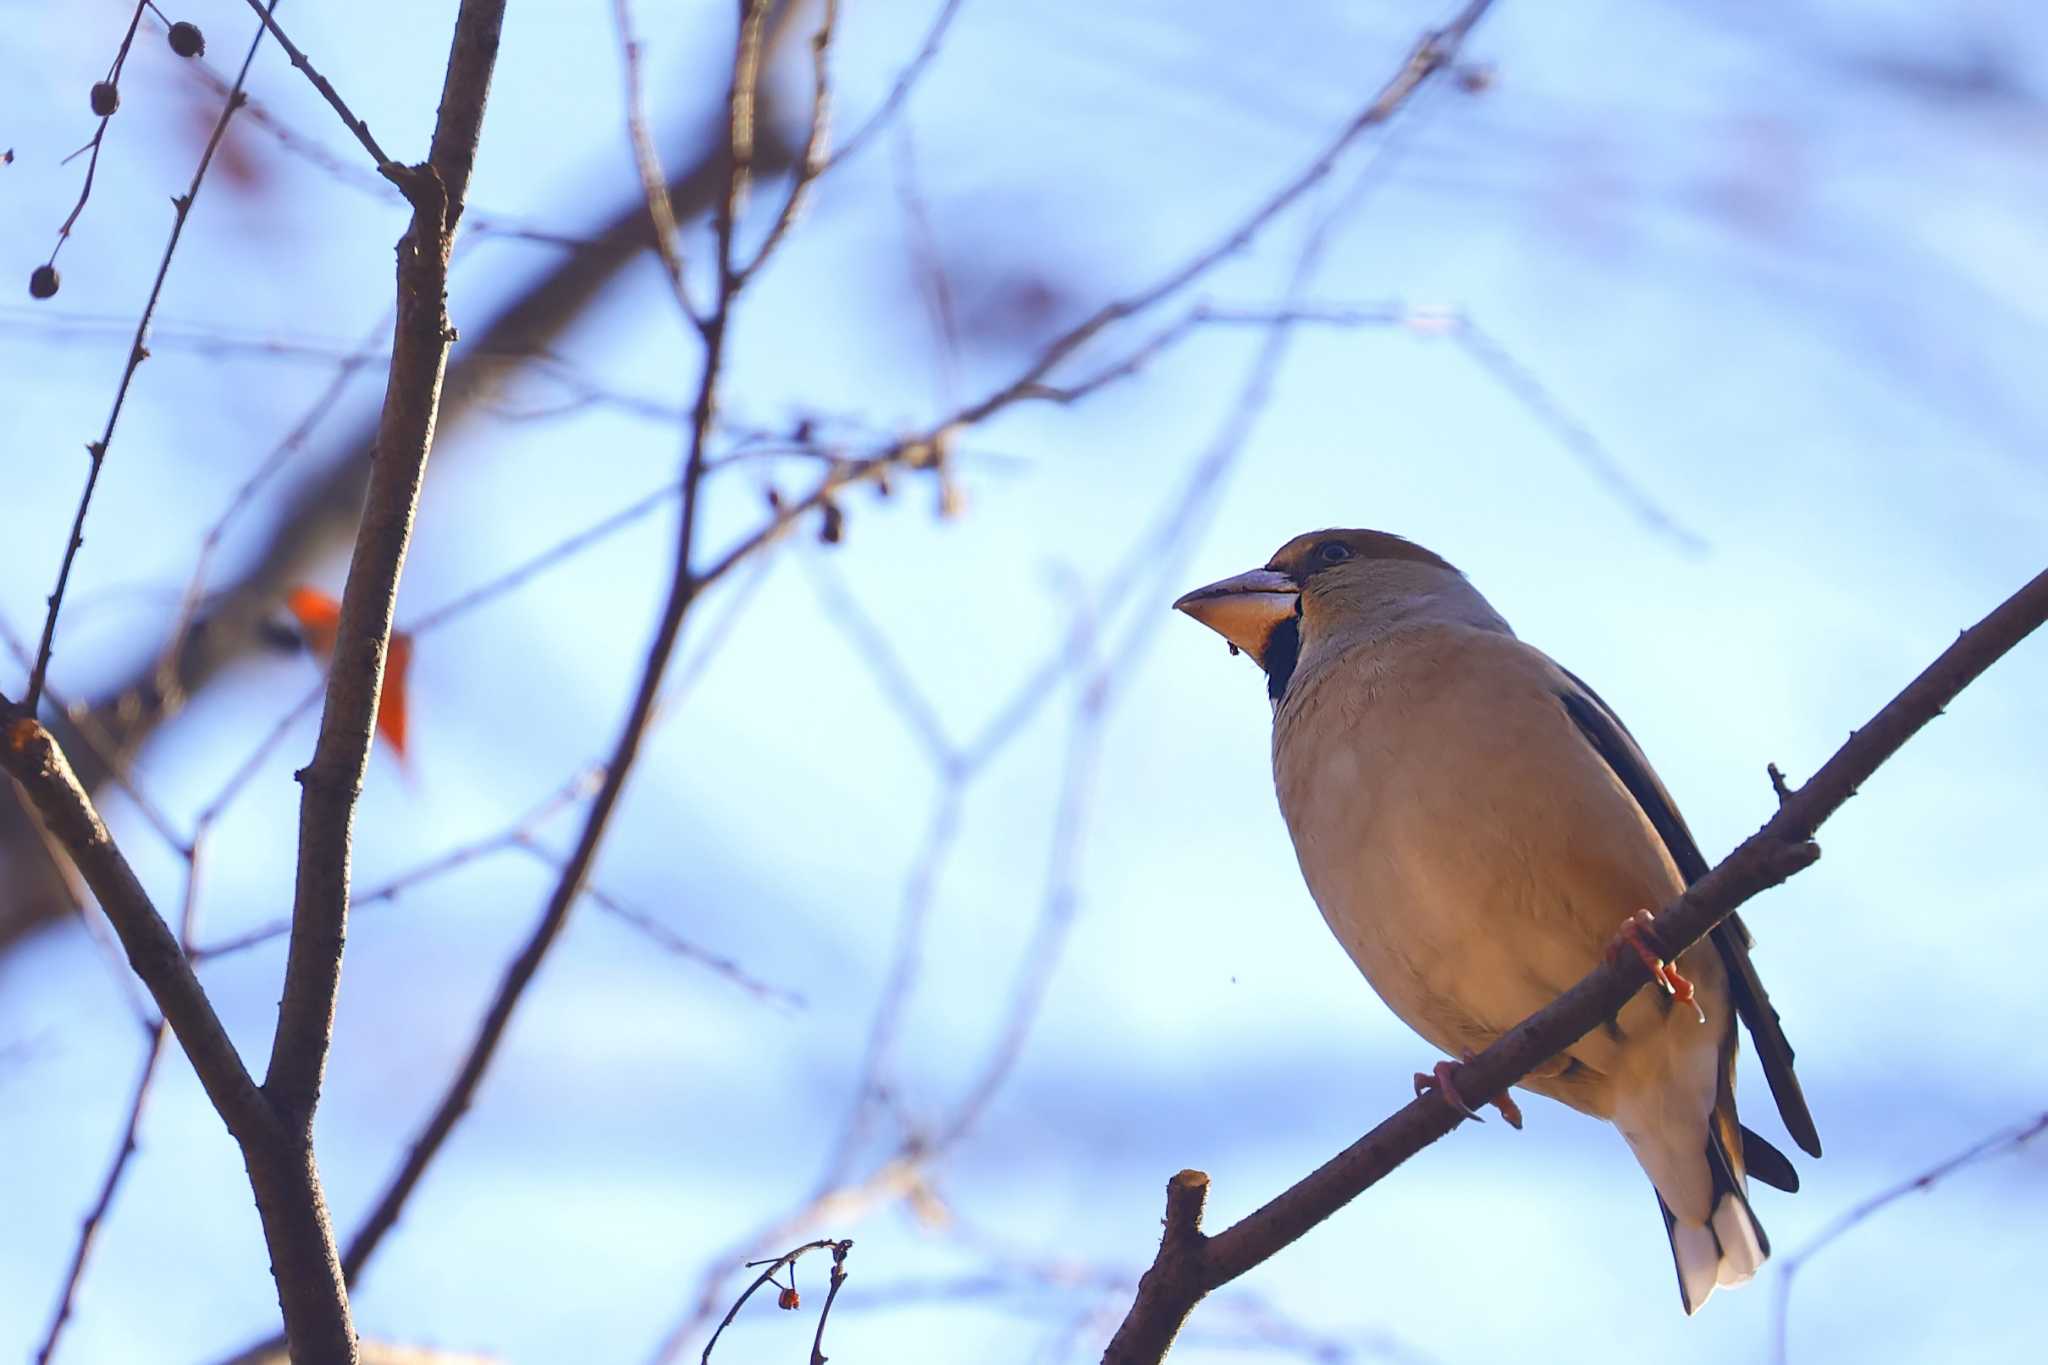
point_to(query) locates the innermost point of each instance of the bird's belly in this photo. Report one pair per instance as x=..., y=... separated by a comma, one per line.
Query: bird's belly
x=1424, y=944
x=1460, y=944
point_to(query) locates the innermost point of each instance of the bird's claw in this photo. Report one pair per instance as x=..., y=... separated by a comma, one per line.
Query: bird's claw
x=1439, y=1080
x=1666, y=974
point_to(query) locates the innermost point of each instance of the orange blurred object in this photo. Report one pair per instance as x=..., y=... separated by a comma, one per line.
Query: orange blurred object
x=319, y=618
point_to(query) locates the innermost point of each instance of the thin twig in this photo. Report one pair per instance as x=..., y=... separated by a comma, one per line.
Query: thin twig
x=839, y=1251
x=1998, y=1144
x=137, y=353
x=1521, y=383
x=95, y=739
x=32, y=757
x=82, y=1248
x=928, y=269
x=386, y=167
x=900, y=91
x=124, y=1152
x=656, y=931
x=767, y=1276
x=653, y=181
x=1432, y=54
x=898, y=681
x=541, y=562
x=811, y=162
x=243, y=497
x=306, y=148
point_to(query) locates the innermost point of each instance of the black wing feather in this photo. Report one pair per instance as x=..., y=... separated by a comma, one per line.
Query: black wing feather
x=1611, y=739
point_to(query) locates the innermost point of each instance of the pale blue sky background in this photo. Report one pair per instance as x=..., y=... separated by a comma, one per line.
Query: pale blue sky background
x=1787, y=262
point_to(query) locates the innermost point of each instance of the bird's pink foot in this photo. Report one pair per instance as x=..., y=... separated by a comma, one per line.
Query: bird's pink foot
x=1633, y=934
x=1439, y=1080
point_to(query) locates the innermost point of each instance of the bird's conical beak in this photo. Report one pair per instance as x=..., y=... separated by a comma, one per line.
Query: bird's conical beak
x=1244, y=609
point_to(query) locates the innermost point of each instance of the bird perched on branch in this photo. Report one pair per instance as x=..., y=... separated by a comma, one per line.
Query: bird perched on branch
x=1479, y=829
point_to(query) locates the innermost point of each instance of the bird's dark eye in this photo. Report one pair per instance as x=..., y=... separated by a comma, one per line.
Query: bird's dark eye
x=1332, y=552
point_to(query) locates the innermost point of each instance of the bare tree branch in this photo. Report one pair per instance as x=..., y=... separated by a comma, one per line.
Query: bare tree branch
x=838, y=1280
x=405, y=436
x=767, y=1276
x=159, y=1034
x=684, y=589
x=1190, y=1264
x=811, y=163
x=274, y=1124
x=900, y=91
x=321, y=514
x=661, y=210
x=1998, y=1144
x=181, y=208
x=385, y=166
x=33, y=759
x=302, y=1240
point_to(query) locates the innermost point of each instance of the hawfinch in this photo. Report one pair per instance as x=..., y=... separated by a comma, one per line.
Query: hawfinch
x=1475, y=824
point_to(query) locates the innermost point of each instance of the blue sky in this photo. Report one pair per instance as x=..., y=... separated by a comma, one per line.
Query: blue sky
x=1785, y=265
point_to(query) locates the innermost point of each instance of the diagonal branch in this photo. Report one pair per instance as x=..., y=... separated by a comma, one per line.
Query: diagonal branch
x=907, y=78
x=1432, y=54
x=1998, y=1144
x=181, y=208
x=1190, y=1264
x=385, y=166
x=31, y=756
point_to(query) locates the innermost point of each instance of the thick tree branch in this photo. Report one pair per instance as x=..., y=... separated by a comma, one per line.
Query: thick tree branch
x=301, y=1237
x=685, y=587
x=1190, y=1265
x=405, y=435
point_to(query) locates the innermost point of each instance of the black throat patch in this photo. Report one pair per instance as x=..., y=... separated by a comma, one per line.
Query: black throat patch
x=1281, y=654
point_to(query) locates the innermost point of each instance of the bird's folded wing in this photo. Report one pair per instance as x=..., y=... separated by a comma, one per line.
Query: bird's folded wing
x=1612, y=741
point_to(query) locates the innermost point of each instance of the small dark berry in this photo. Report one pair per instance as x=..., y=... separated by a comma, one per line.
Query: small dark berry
x=832, y=529
x=42, y=282
x=1476, y=80
x=187, y=40
x=105, y=98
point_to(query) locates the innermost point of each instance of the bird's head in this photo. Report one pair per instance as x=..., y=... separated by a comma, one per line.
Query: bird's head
x=1321, y=586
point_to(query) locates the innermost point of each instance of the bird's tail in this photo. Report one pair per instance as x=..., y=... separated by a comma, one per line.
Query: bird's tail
x=1730, y=1246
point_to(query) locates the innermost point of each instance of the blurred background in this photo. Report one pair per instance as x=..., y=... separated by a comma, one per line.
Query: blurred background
x=948, y=909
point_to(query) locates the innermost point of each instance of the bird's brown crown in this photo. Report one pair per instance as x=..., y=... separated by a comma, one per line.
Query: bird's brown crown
x=1308, y=554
